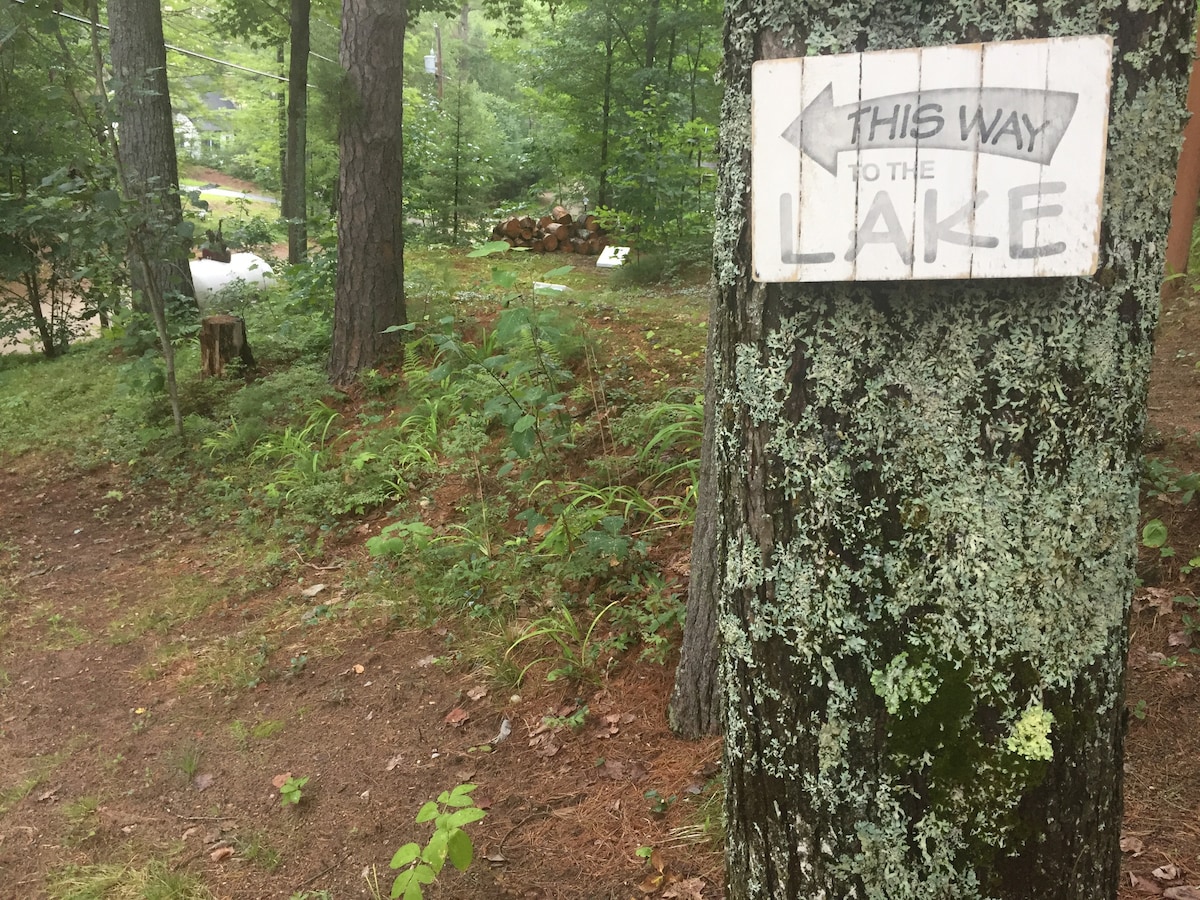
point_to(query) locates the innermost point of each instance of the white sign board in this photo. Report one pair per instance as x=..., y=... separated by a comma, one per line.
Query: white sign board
x=968, y=161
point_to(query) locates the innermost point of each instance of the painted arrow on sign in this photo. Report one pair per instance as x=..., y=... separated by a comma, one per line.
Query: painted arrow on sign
x=1015, y=122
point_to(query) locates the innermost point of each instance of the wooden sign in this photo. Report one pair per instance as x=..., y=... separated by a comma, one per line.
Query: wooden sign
x=968, y=161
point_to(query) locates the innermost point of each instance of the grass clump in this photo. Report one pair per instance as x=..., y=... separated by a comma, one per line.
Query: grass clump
x=125, y=881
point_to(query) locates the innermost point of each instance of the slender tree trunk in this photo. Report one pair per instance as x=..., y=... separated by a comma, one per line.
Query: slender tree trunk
x=281, y=123
x=33, y=296
x=458, y=122
x=927, y=502
x=142, y=106
x=652, y=16
x=370, y=277
x=295, y=186
x=695, y=706
x=606, y=116
x=1187, y=183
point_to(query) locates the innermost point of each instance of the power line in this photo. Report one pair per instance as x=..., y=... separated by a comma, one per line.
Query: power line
x=193, y=53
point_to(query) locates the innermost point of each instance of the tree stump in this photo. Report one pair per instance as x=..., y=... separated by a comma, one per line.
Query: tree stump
x=221, y=339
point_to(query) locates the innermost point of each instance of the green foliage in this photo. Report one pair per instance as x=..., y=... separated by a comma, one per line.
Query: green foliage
x=515, y=377
x=662, y=188
x=579, y=647
x=450, y=813
x=290, y=791
x=1161, y=478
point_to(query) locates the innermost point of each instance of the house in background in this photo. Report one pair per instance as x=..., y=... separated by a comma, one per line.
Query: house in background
x=203, y=137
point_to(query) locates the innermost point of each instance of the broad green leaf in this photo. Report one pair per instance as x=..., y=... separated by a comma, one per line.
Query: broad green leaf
x=489, y=248
x=392, y=329
x=1154, y=534
x=428, y=812
x=401, y=884
x=463, y=790
x=460, y=850
x=405, y=856
x=107, y=200
x=185, y=229
x=465, y=817
x=504, y=278
x=525, y=423
x=557, y=273
x=413, y=891
x=435, y=851
x=424, y=874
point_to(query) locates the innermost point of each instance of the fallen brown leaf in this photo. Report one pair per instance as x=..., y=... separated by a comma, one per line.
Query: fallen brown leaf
x=657, y=861
x=281, y=779
x=651, y=883
x=688, y=889
x=221, y=854
x=1144, y=885
x=1166, y=873
x=457, y=717
x=1183, y=892
x=477, y=693
x=1132, y=845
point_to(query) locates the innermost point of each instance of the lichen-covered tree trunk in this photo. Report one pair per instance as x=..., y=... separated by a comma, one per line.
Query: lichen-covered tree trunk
x=369, y=296
x=928, y=500
x=142, y=106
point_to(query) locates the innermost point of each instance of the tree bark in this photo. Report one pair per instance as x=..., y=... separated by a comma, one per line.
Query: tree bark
x=1187, y=183
x=694, y=709
x=606, y=113
x=142, y=105
x=927, y=495
x=370, y=277
x=295, y=185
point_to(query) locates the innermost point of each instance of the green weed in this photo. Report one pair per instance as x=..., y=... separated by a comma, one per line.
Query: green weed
x=578, y=647
x=186, y=759
x=253, y=847
x=420, y=865
x=290, y=792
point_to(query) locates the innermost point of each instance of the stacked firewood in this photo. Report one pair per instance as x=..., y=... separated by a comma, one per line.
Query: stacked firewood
x=558, y=232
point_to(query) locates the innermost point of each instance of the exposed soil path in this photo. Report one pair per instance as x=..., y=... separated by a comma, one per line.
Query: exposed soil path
x=153, y=693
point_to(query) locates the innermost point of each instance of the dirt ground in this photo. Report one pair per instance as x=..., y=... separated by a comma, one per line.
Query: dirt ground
x=136, y=755
x=153, y=690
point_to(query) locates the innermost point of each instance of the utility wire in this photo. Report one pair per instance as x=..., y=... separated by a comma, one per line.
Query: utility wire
x=193, y=53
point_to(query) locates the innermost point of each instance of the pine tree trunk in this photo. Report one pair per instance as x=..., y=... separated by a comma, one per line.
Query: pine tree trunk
x=694, y=709
x=928, y=503
x=295, y=186
x=370, y=276
x=142, y=105
x=1187, y=182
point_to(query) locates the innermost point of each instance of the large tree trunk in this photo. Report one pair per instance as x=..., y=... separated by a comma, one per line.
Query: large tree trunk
x=370, y=276
x=295, y=185
x=928, y=499
x=142, y=106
